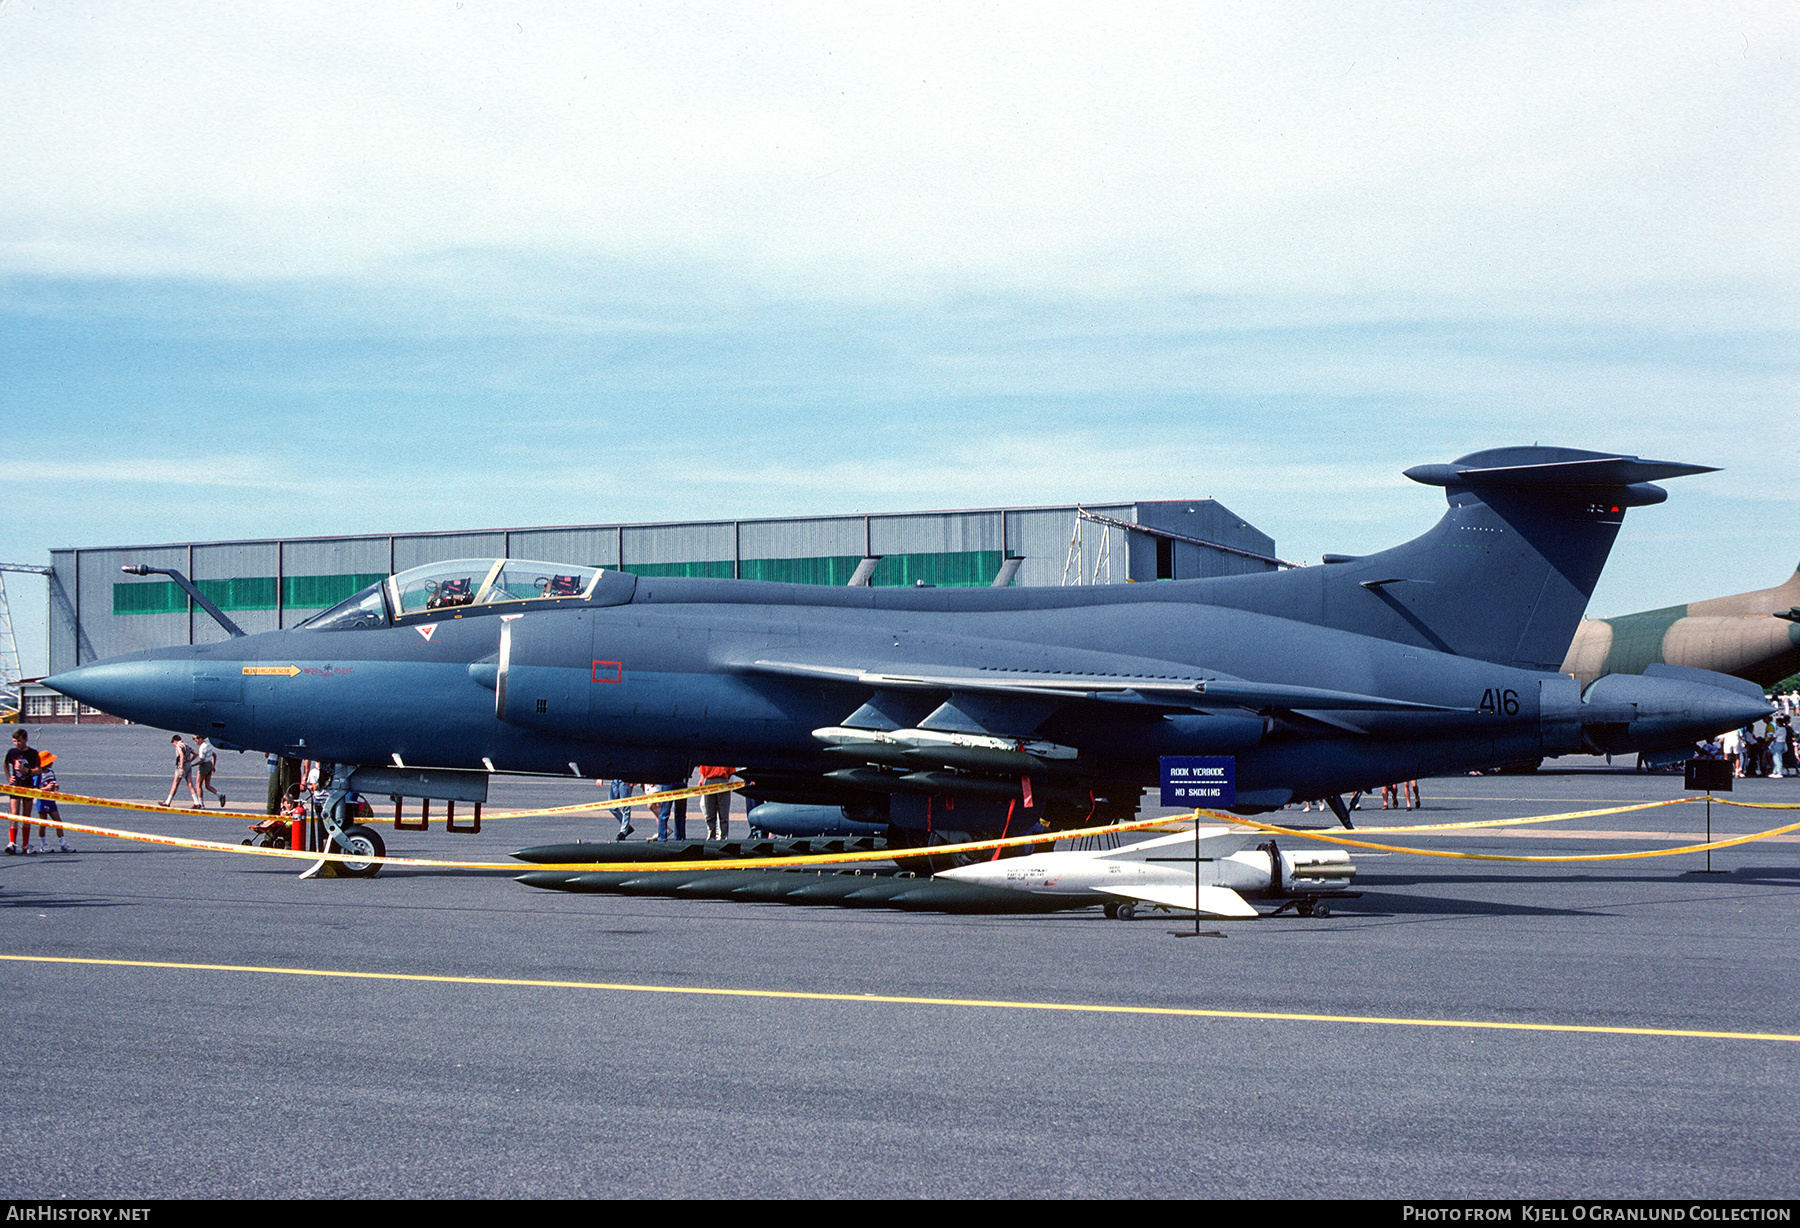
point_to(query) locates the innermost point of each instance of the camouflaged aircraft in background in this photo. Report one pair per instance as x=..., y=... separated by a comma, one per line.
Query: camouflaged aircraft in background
x=1755, y=636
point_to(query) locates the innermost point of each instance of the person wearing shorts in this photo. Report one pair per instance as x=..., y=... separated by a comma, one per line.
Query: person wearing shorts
x=185, y=758
x=46, y=809
x=207, y=761
x=21, y=771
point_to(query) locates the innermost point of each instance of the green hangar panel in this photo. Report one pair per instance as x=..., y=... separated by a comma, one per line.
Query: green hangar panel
x=98, y=612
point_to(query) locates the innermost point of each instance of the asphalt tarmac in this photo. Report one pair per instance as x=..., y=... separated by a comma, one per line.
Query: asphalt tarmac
x=199, y=1024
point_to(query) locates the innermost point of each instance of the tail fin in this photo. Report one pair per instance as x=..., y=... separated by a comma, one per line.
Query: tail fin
x=1504, y=576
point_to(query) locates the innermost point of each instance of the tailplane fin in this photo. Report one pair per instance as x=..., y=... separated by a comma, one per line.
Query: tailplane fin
x=1503, y=577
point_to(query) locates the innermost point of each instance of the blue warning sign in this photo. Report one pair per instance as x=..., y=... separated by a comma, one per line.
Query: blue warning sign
x=1199, y=780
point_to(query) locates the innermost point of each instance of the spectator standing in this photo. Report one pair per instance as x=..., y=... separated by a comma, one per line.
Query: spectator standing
x=206, y=761
x=665, y=811
x=46, y=808
x=185, y=758
x=21, y=771
x=716, y=806
x=616, y=789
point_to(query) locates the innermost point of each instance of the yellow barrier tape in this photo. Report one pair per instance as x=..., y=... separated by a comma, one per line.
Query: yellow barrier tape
x=747, y=863
x=80, y=799
x=622, y=803
x=1541, y=801
x=1642, y=853
x=217, y=846
x=889, y=854
x=1536, y=818
x=820, y=859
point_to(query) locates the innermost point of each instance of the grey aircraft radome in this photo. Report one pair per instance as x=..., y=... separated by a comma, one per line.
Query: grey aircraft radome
x=947, y=711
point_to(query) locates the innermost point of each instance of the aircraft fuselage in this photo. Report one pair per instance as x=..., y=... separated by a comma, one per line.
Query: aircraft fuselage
x=643, y=691
x=1435, y=656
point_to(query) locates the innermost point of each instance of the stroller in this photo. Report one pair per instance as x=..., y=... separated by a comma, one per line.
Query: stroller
x=297, y=805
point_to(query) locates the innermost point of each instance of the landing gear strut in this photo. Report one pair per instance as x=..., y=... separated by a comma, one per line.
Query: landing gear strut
x=329, y=831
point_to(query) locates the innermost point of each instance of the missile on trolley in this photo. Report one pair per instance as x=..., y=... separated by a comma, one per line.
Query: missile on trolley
x=1210, y=870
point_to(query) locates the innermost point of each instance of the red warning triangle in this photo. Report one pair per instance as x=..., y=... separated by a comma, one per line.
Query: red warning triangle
x=426, y=629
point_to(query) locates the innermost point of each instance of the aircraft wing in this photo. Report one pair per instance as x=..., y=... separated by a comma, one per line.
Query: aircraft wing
x=1163, y=690
x=1214, y=901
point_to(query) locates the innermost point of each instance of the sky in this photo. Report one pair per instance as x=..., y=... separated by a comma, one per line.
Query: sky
x=302, y=269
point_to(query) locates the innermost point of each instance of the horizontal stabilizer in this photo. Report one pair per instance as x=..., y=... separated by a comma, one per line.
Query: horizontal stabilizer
x=1214, y=901
x=1579, y=469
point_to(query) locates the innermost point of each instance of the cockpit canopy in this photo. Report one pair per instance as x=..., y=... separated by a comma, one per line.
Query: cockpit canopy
x=460, y=582
x=514, y=583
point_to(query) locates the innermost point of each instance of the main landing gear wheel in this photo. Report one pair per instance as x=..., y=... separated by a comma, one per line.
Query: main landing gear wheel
x=1126, y=910
x=360, y=841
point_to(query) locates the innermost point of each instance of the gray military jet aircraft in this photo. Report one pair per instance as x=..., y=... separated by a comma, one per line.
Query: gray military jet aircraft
x=947, y=711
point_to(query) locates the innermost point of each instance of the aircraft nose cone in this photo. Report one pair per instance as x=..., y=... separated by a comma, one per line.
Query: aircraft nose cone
x=1668, y=708
x=149, y=692
x=1707, y=713
x=1741, y=712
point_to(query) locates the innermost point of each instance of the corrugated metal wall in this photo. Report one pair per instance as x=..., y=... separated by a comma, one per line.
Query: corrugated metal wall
x=96, y=612
x=1204, y=519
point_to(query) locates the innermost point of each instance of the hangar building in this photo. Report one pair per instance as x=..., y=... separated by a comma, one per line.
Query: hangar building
x=97, y=612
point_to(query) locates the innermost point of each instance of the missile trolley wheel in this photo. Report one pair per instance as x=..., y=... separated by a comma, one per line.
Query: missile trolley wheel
x=360, y=841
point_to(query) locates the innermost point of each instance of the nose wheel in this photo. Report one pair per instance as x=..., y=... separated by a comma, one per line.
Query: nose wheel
x=361, y=846
x=359, y=841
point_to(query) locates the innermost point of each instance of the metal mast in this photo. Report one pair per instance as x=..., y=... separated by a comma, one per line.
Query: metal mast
x=12, y=672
